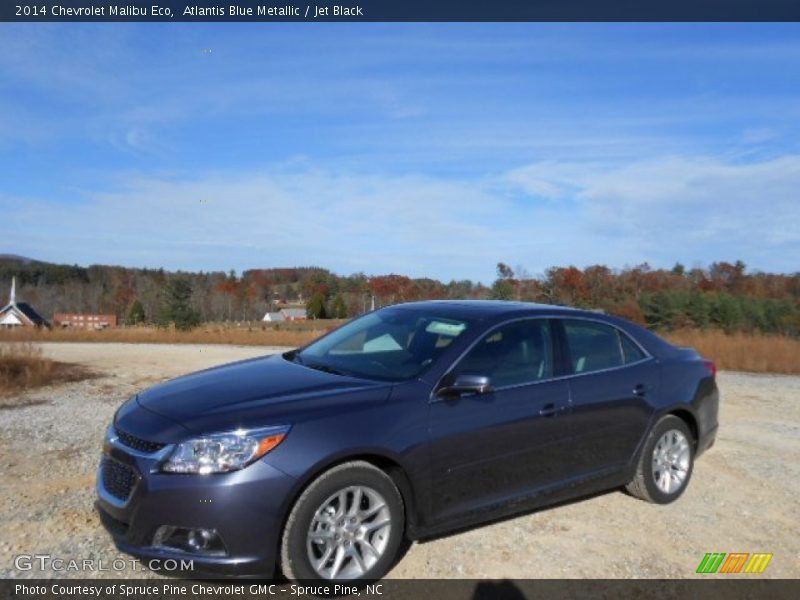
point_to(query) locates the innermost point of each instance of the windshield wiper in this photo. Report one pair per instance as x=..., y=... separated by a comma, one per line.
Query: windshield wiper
x=325, y=368
x=294, y=356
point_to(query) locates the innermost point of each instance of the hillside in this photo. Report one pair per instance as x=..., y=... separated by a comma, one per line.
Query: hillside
x=723, y=296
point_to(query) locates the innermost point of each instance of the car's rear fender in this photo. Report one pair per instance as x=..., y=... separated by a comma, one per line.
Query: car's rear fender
x=689, y=390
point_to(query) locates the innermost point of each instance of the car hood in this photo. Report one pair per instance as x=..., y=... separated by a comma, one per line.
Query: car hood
x=254, y=393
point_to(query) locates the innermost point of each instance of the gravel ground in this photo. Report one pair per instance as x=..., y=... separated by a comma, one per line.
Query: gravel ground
x=744, y=495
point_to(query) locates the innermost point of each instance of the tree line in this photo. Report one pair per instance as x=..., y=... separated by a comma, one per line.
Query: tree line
x=723, y=295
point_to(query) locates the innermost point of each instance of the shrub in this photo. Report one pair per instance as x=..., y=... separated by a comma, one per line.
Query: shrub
x=23, y=366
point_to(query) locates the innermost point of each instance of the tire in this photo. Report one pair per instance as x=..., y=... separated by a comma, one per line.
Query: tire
x=658, y=478
x=331, y=518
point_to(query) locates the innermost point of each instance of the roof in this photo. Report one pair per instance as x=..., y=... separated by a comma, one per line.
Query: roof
x=497, y=309
x=273, y=316
x=27, y=311
x=488, y=308
x=294, y=312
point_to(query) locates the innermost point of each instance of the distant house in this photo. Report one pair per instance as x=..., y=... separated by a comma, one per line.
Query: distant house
x=19, y=314
x=286, y=314
x=84, y=321
x=294, y=314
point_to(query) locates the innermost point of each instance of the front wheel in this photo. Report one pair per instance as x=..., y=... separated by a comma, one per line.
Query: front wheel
x=347, y=525
x=666, y=463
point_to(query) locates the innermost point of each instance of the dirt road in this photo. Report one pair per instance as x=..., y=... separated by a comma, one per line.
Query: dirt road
x=744, y=495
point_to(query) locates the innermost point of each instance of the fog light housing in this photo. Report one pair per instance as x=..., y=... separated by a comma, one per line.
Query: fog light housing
x=206, y=542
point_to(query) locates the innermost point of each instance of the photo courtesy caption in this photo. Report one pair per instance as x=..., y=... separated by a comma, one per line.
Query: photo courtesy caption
x=195, y=589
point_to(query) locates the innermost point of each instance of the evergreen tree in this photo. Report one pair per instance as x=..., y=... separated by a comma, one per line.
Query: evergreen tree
x=726, y=313
x=698, y=309
x=136, y=314
x=176, y=307
x=502, y=289
x=315, y=308
x=339, y=308
x=660, y=309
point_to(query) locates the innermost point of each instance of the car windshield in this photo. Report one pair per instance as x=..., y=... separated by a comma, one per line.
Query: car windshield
x=391, y=344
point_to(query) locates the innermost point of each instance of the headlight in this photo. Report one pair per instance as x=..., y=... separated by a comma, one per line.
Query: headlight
x=223, y=452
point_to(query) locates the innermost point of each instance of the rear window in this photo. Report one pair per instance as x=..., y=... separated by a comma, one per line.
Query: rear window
x=593, y=346
x=597, y=346
x=631, y=352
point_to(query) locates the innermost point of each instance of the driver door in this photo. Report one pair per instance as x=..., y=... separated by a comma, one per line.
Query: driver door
x=490, y=448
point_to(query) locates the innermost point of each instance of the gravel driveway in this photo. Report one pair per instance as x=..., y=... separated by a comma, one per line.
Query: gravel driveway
x=744, y=495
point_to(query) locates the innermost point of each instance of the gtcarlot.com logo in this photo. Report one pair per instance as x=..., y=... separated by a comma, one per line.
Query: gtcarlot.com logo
x=735, y=562
x=47, y=562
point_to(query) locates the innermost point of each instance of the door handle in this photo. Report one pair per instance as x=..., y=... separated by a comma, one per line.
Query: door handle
x=548, y=410
x=640, y=390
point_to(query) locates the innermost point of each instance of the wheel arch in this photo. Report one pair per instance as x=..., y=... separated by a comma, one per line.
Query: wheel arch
x=389, y=465
x=687, y=417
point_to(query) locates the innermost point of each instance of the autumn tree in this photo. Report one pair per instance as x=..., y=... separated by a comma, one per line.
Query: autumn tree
x=724, y=295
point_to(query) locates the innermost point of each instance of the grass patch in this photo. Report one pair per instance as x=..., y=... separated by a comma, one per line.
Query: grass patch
x=23, y=367
x=756, y=353
x=289, y=334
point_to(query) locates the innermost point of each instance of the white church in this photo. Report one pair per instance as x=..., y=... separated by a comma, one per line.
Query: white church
x=19, y=314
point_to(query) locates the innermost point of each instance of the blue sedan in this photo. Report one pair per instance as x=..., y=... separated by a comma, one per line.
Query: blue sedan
x=407, y=422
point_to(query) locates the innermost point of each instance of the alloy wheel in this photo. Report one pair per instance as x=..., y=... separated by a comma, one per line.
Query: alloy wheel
x=671, y=461
x=349, y=533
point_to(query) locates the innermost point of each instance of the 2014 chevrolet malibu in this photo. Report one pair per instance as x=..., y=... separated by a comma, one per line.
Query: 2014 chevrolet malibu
x=407, y=422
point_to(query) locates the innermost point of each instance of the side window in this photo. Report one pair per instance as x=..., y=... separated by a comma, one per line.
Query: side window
x=517, y=353
x=631, y=352
x=593, y=346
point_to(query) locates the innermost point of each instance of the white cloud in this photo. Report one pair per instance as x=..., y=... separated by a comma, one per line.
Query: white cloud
x=758, y=135
x=673, y=208
x=348, y=222
x=687, y=208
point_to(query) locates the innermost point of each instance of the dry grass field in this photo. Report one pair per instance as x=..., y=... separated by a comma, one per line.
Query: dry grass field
x=754, y=353
x=283, y=334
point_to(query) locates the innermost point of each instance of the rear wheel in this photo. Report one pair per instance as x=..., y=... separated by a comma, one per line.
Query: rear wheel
x=347, y=525
x=666, y=463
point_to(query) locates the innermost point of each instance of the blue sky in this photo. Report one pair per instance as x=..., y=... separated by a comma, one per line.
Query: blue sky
x=424, y=149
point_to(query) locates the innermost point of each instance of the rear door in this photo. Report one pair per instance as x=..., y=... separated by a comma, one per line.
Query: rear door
x=489, y=448
x=611, y=378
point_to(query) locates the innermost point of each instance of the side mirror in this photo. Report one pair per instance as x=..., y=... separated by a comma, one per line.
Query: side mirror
x=465, y=383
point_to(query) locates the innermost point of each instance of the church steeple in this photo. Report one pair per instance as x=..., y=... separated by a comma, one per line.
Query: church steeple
x=12, y=299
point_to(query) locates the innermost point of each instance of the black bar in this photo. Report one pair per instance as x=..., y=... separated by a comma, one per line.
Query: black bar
x=400, y=10
x=734, y=587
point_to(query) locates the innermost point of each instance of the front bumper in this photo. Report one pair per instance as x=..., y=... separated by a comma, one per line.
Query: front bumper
x=245, y=508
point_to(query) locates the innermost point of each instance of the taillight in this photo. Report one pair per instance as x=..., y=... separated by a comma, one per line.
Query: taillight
x=710, y=367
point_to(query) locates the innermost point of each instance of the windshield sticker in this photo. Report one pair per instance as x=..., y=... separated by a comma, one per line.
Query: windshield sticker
x=445, y=328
